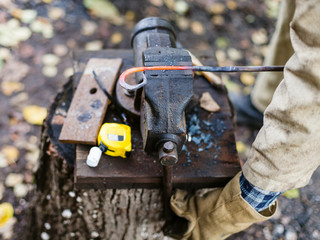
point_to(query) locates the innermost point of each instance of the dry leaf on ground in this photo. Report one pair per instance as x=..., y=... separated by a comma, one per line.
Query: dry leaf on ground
x=13, y=179
x=34, y=114
x=181, y=7
x=197, y=28
x=116, y=38
x=241, y=147
x=259, y=37
x=8, y=88
x=11, y=153
x=11, y=33
x=50, y=59
x=208, y=103
x=2, y=189
x=104, y=9
x=217, y=8
x=14, y=71
x=247, y=79
x=50, y=71
x=94, y=45
x=6, y=213
x=20, y=190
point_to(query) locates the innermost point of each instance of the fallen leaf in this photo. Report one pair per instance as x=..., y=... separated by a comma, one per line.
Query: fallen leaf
x=104, y=9
x=217, y=8
x=247, y=78
x=292, y=194
x=130, y=15
x=43, y=26
x=88, y=27
x=5, y=54
x=2, y=189
x=11, y=153
x=60, y=50
x=50, y=71
x=183, y=23
x=56, y=13
x=94, y=45
x=208, y=103
x=7, y=4
x=68, y=72
x=116, y=38
x=8, y=88
x=32, y=159
x=50, y=59
x=197, y=28
x=259, y=37
x=20, y=190
x=221, y=57
x=241, y=147
x=222, y=42
x=169, y=4
x=217, y=20
x=3, y=161
x=14, y=71
x=13, y=179
x=157, y=3
x=6, y=213
x=6, y=231
x=272, y=9
x=250, y=18
x=181, y=7
x=234, y=54
x=25, y=16
x=232, y=5
x=34, y=114
x=11, y=33
x=19, y=99
x=255, y=61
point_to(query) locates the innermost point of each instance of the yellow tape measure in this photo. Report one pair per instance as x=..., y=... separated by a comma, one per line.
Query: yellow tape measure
x=114, y=139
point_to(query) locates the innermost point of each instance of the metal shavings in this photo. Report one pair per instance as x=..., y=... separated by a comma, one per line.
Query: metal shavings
x=201, y=133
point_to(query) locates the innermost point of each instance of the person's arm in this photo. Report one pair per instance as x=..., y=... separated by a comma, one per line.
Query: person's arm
x=286, y=150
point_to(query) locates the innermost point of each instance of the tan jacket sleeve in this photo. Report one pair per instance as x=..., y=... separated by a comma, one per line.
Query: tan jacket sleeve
x=287, y=149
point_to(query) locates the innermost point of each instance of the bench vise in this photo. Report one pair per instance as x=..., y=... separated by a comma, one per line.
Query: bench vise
x=163, y=100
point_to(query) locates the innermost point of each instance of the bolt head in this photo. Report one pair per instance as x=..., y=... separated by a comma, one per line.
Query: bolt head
x=168, y=147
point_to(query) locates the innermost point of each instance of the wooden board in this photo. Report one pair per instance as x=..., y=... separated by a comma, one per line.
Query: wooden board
x=197, y=168
x=89, y=103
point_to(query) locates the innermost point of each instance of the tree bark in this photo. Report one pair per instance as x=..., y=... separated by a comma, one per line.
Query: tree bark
x=62, y=212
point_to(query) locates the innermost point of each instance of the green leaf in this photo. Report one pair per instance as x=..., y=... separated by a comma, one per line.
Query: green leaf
x=103, y=9
x=1, y=64
x=292, y=194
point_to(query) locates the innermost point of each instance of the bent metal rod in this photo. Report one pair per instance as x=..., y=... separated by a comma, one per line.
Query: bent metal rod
x=229, y=69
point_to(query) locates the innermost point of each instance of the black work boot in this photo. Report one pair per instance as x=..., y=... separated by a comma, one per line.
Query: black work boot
x=246, y=113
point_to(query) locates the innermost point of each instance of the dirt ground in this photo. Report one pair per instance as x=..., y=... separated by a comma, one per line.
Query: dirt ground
x=37, y=60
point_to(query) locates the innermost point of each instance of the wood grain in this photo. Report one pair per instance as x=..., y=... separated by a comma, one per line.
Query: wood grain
x=89, y=103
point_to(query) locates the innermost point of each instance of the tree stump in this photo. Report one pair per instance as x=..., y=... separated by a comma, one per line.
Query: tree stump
x=61, y=212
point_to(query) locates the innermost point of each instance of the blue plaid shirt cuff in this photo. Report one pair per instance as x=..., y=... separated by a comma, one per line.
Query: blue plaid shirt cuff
x=259, y=199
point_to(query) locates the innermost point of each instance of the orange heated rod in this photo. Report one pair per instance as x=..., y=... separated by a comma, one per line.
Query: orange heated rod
x=122, y=78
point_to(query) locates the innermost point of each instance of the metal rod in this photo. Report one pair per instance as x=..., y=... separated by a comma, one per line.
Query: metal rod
x=239, y=69
x=167, y=190
x=193, y=68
